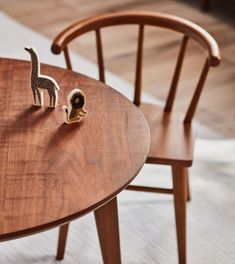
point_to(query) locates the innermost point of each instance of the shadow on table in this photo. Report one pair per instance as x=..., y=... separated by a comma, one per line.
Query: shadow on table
x=64, y=133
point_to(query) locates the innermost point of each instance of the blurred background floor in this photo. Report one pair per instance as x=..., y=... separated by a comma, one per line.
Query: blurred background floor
x=216, y=108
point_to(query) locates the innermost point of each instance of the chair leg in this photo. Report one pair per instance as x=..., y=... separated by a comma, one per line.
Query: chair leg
x=180, y=190
x=106, y=218
x=188, y=196
x=62, y=241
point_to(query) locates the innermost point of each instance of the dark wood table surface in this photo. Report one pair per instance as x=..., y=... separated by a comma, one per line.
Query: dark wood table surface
x=51, y=172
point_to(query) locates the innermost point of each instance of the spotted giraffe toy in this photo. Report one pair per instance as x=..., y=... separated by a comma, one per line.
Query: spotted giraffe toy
x=41, y=82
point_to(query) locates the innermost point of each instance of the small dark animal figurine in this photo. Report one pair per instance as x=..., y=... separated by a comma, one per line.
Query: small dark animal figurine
x=41, y=82
x=75, y=111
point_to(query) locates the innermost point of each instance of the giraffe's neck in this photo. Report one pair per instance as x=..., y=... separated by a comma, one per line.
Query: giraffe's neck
x=35, y=67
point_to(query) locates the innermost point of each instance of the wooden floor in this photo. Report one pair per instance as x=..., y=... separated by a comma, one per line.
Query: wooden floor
x=217, y=105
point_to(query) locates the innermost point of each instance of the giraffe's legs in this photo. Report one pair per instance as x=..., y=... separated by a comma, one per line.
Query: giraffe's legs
x=34, y=96
x=37, y=96
x=53, y=98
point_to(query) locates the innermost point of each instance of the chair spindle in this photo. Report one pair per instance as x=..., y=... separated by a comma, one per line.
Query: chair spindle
x=176, y=76
x=138, y=75
x=67, y=58
x=193, y=105
x=100, y=57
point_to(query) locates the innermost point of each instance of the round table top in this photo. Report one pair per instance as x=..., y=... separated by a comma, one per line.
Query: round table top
x=51, y=172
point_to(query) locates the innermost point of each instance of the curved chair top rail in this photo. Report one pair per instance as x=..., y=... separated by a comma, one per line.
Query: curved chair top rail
x=175, y=23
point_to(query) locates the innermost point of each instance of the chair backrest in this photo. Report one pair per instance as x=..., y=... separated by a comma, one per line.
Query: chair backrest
x=143, y=19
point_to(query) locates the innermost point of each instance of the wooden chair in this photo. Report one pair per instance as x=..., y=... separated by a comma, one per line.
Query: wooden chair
x=172, y=136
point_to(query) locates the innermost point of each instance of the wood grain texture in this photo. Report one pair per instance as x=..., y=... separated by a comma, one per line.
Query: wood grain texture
x=52, y=173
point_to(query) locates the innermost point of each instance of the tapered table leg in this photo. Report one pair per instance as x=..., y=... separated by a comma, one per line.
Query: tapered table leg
x=106, y=218
x=62, y=241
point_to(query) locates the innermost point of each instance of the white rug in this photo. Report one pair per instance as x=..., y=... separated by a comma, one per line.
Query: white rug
x=147, y=225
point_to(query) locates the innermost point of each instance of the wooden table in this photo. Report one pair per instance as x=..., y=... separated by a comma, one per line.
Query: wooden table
x=51, y=172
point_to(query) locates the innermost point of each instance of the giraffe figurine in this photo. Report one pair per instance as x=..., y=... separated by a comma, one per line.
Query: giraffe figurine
x=75, y=111
x=41, y=82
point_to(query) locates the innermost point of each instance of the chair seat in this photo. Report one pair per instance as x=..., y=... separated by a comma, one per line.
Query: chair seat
x=172, y=141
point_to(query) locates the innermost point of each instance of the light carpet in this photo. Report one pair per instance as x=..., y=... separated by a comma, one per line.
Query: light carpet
x=147, y=226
